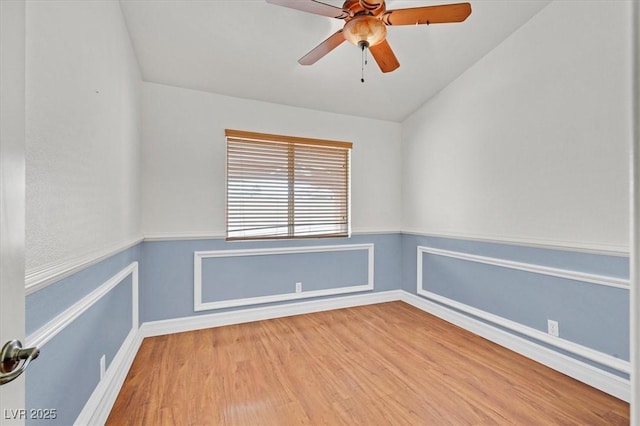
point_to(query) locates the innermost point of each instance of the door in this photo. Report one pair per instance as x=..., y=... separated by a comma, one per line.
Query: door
x=12, y=195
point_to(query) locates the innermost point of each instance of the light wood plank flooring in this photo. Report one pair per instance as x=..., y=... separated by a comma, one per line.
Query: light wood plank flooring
x=385, y=364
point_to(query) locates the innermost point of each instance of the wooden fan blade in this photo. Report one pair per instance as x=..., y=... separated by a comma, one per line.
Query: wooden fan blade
x=428, y=14
x=313, y=6
x=322, y=49
x=384, y=56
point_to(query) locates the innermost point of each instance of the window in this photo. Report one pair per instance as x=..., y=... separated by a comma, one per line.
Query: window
x=286, y=187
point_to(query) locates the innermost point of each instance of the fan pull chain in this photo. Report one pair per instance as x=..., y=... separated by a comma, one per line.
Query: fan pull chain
x=364, y=61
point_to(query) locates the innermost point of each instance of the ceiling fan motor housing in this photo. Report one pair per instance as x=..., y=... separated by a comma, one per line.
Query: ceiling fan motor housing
x=365, y=29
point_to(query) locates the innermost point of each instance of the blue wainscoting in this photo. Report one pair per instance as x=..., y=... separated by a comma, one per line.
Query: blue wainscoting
x=518, y=288
x=506, y=288
x=169, y=286
x=227, y=278
x=75, y=322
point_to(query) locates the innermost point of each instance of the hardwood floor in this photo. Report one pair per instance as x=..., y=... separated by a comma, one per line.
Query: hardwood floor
x=373, y=365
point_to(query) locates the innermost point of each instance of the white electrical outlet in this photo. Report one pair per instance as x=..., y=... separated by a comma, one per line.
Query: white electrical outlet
x=553, y=328
x=103, y=366
x=298, y=287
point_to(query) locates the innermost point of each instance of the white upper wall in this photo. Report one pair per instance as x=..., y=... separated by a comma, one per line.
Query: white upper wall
x=531, y=144
x=82, y=131
x=184, y=154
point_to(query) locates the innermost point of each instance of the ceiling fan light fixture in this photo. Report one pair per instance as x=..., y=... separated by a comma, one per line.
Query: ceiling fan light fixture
x=365, y=29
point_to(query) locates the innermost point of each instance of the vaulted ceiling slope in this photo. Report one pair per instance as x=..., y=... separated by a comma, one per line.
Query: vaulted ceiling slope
x=250, y=48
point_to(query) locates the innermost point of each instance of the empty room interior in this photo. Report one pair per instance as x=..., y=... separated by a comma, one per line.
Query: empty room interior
x=237, y=213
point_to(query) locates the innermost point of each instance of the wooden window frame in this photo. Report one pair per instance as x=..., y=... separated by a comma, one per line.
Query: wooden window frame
x=293, y=146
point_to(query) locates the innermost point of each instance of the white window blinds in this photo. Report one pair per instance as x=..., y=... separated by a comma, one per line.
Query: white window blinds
x=286, y=187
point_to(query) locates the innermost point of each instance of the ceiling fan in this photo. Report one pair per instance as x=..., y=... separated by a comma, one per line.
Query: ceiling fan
x=366, y=24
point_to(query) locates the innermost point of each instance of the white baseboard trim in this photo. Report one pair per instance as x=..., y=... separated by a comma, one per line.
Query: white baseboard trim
x=97, y=409
x=595, y=377
x=199, y=322
x=584, y=352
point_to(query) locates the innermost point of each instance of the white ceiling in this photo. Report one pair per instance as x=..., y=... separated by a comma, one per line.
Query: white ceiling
x=249, y=49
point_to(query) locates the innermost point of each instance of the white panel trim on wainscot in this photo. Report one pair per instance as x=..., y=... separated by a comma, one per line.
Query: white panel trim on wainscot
x=39, y=278
x=97, y=408
x=199, y=305
x=574, y=348
x=575, y=246
x=529, y=267
x=51, y=329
